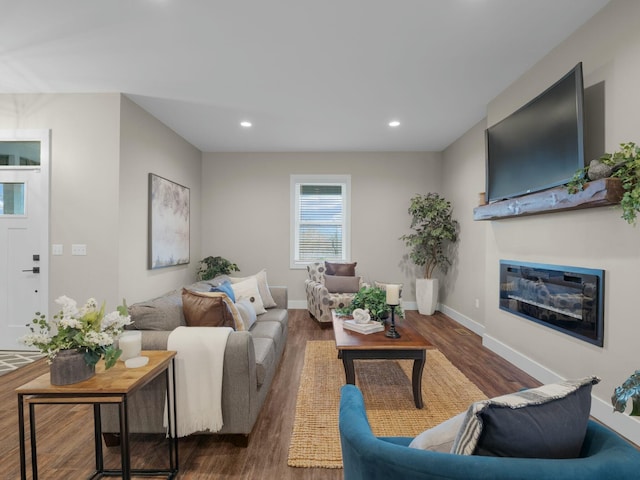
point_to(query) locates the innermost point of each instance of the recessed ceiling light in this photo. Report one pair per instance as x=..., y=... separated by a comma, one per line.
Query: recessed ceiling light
x=394, y=123
x=245, y=124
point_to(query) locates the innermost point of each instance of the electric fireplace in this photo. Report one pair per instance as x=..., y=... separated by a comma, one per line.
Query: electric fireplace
x=567, y=299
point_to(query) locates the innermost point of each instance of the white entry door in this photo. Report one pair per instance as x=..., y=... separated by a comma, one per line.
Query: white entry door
x=24, y=231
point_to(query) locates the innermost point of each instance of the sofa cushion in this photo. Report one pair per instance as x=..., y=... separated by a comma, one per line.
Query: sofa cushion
x=274, y=315
x=265, y=357
x=206, y=309
x=271, y=330
x=340, y=284
x=249, y=289
x=263, y=287
x=341, y=269
x=161, y=313
x=545, y=422
x=441, y=437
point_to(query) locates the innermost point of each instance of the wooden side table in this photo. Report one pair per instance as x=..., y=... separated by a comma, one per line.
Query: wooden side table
x=111, y=386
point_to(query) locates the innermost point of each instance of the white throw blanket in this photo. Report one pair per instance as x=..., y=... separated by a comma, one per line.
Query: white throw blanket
x=199, y=362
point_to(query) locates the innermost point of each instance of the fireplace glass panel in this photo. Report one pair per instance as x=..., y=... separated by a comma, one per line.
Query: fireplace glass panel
x=567, y=299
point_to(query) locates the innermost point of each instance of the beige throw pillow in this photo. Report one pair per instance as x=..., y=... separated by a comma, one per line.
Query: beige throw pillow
x=249, y=289
x=263, y=287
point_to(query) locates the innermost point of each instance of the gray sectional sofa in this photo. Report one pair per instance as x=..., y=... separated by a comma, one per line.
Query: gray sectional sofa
x=250, y=363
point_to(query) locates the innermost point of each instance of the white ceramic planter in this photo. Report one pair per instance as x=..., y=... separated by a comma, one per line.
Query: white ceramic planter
x=427, y=295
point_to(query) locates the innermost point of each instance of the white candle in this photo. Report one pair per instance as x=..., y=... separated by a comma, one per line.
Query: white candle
x=393, y=294
x=131, y=344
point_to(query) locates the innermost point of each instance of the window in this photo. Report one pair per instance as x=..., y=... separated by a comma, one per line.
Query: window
x=12, y=199
x=18, y=154
x=320, y=226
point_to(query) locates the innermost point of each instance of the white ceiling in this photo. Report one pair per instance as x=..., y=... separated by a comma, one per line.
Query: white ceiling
x=322, y=75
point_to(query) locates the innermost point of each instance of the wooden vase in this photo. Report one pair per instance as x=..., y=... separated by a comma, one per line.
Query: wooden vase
x=69, y=367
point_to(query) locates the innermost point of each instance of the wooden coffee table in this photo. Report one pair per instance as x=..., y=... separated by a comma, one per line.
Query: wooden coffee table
x=376, y=346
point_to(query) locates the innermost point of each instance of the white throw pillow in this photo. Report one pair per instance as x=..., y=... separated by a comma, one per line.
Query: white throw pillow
x=263, y=287
x=248, y=289
x=247, y=313
x=441, y=437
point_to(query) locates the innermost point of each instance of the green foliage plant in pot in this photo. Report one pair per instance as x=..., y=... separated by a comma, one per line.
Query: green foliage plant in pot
x=373, y=299
x=434, y=230
x=625, y=165
x=629, y=390
x=211, y=267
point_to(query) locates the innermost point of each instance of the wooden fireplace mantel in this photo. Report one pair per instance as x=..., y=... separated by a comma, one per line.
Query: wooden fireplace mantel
x=599, y=193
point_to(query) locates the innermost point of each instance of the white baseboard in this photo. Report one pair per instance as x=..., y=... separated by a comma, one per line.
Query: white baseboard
x=463, y=320
x=297, y=304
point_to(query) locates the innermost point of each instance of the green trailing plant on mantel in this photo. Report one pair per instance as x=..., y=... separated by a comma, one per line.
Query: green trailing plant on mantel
x=434, y=228
x=625, y=165
x=629, y=390
x=373, y=299
x=211, y=267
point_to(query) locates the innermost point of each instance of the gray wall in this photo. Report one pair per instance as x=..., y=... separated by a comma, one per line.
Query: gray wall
x=246, y=214
x=149, y=146
x=84, y=185
x=102, y=148
x=463, y=292
x=609, y=47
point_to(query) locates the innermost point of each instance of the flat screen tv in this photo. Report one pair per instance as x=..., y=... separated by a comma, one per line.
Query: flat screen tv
x=540, y=145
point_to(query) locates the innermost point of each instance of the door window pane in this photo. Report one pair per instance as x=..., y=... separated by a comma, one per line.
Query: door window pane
x=19, y=154
x=11, y=198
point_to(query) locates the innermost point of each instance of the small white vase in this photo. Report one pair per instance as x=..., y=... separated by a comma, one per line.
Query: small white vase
x=427, y=295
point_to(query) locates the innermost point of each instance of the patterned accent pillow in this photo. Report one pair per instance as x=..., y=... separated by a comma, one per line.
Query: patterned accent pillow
x=341, y=269
x=545, y=422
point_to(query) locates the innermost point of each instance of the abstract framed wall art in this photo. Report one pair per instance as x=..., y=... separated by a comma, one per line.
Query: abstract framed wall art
x=169, y=206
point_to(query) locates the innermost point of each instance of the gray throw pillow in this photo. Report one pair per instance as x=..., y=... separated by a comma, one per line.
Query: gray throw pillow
x=545, y=422
x=337, y=284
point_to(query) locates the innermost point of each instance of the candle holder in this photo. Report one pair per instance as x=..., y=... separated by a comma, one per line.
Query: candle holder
x=392, y=333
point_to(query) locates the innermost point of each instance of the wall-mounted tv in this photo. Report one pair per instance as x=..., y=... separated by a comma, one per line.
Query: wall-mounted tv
x=539, y=146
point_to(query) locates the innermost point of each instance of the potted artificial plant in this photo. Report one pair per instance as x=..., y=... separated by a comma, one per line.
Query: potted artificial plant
x=211, y=267
x=629, y=390
x=373, y=299
x=623, y=164
x=434, y=229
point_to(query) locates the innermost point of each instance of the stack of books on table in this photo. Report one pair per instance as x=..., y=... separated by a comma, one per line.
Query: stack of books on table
x=369, y=327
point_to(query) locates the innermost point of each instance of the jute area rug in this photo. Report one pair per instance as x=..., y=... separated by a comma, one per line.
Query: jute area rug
x=386, y=387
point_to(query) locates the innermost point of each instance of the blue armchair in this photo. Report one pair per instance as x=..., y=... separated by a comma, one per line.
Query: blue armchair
x=604, y=455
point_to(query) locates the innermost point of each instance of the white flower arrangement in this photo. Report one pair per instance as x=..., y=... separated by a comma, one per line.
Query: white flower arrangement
x=86, y=329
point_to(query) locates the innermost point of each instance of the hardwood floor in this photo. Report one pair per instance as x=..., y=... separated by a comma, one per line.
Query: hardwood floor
x=65, y=433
